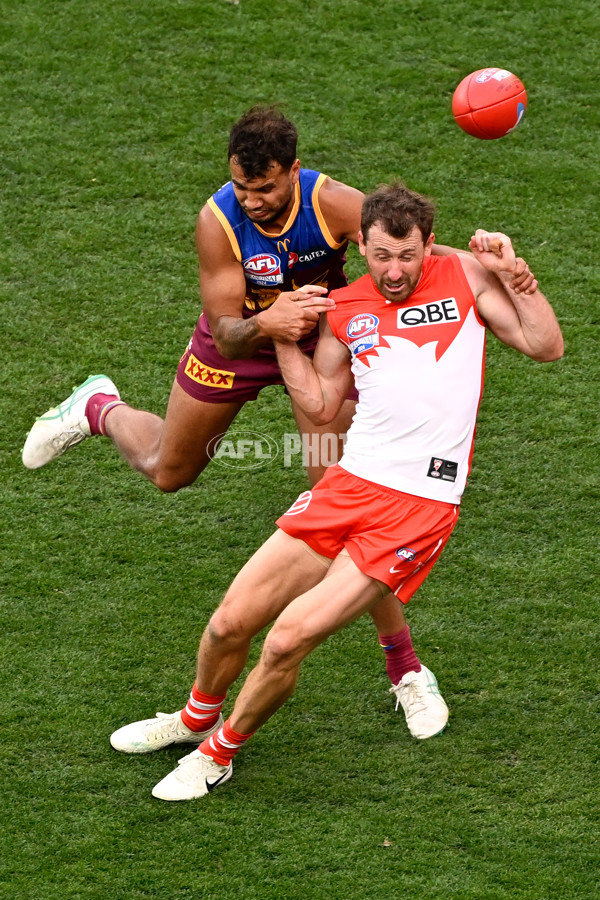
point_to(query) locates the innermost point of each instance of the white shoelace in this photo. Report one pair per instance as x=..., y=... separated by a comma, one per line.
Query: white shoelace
x=165, y=728
x=415, y=699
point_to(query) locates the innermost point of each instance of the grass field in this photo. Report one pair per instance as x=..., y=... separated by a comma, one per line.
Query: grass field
x=113, y=128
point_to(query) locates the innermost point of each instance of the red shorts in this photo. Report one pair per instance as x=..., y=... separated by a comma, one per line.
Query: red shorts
x=393, y=537
x=206, y=375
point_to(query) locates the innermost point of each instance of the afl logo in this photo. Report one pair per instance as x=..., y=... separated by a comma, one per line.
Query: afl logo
x=263, y=265
x=405, y=553
x=361, y=326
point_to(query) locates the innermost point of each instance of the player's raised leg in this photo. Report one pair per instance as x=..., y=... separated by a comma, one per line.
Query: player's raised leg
x=171, y=452
x=342, y=596
x=65, y=425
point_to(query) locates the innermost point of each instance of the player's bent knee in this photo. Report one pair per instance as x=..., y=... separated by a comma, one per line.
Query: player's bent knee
x=169, y=480
x=168, y=486
x=283, y=649
x=226, y=629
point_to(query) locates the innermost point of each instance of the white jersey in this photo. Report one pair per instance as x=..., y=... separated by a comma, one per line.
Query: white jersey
x=418, y=368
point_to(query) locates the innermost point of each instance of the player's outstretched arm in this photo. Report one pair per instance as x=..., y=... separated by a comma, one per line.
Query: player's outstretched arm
x=321, y=385
x=524, y=321
x=223, y=291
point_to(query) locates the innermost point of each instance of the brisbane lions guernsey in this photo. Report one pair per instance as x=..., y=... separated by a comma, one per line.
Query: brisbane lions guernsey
x=304, y=252
x=418, y=367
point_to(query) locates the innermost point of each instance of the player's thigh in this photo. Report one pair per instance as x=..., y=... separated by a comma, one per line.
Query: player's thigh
x=323, y=445
x=280, y=570
x=344, y=594
x=191, y=431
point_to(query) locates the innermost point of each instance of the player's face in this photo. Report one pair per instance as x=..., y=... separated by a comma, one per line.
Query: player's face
x=394, y=264
x=268, y=199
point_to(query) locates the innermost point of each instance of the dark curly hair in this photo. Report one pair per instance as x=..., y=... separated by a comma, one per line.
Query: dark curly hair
x=263, y=135
x=397, y=209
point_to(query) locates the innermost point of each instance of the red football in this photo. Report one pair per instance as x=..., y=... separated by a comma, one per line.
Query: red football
x=489, y=103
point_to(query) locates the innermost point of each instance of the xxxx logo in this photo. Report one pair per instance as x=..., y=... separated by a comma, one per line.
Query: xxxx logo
x=197, y=371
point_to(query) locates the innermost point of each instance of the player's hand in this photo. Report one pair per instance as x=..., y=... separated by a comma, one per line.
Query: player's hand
x=494, y=251
x=523, y=280
x=310, y=295
x=295, y=313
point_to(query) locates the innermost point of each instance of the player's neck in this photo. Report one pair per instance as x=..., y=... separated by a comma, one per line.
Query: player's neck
x=277, y=226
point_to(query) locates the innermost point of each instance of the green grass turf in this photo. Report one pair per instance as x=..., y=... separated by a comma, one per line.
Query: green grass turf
x=114, y=118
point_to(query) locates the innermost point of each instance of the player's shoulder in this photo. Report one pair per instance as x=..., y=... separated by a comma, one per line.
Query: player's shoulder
x=459, y=265
x=332, y=192
x=208, y=219
x=442, y=266
x=220, y=207
x=225, y=191
x=354, y=298
x=340, y=205
x=455, y=272
x=361, y=288
x=216, y=241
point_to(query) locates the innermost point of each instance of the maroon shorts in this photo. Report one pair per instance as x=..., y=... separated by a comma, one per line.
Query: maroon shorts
x=206, y=375
x=391, y=536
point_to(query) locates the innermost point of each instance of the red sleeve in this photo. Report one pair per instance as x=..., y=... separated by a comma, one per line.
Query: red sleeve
x=335, y=321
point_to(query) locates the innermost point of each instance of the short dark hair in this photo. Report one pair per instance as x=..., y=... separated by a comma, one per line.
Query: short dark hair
x=262, y=136
x=397, y=209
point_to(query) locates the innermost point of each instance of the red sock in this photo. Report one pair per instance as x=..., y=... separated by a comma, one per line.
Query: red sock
x=97, y=407
x=400, y=656
x=224, y=744
x=202, y=710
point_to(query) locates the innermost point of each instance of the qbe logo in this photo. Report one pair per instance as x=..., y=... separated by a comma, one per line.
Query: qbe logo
x=440, y=311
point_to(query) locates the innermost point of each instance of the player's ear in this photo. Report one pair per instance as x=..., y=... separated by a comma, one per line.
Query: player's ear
x=361, y=244
x=295, y=171
x=429, y=244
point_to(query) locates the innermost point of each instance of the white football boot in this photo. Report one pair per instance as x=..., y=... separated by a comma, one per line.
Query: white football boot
x=195, y=776
x=154, y=734
x=424, y=707
x=65, y=425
